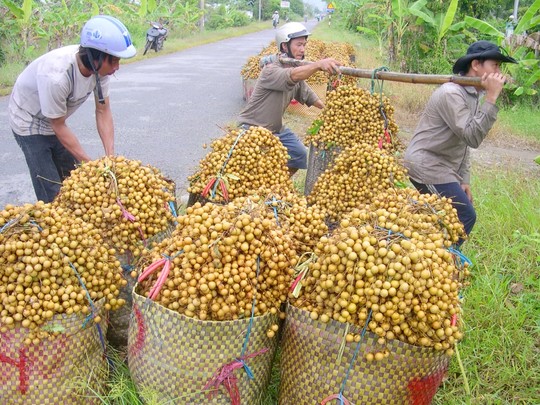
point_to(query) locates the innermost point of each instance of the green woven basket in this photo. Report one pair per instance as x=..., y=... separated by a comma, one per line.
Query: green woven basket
x=314, y=363
x=173, y=356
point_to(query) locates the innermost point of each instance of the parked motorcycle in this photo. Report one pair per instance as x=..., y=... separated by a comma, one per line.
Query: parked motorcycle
x=155, y=37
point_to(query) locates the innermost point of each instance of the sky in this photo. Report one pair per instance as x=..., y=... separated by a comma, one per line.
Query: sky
x=321, y=5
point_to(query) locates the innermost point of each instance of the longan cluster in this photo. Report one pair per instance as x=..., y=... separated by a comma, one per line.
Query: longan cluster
x=46, y=255
x=126, y=201
x=315, y=50
x=408, y=286
x=425, y=218
x=252, y=68
x=340, y=51
x=358, y=174
x=240, y=162
x=353, y=115
x=221, y=256
x=305, y=224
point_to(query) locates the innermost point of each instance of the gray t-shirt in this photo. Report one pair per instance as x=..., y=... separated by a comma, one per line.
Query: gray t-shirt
x=452, y=122
x=52, y=86
x=272, y=95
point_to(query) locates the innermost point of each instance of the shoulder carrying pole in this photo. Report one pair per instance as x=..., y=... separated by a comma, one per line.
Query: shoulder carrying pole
x=395, y=76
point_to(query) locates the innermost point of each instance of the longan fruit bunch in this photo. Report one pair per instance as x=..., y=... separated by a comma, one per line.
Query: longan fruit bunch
x=357, y=175
x=239, y=162
x=221, y=257
x=352, y=115
x=403, y=287
x=127, y=201
x=51, y=263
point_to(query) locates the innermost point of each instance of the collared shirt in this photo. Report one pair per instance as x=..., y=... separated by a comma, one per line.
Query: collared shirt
x=272, y=95
x=52, y=86
x=452, y=122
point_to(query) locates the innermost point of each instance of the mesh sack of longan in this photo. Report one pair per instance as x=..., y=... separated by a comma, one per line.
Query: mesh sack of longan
x=225, y=267
x=353, y=115
x=128, y=202
x=241, y=161
x=357, y=175
x=57, y=280
x=389, y=268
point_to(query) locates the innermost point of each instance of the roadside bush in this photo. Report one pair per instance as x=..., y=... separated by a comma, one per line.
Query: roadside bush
x=222, y=17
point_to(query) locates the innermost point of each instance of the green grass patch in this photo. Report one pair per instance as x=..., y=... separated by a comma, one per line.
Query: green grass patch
x=523, y=121
x=500, y=349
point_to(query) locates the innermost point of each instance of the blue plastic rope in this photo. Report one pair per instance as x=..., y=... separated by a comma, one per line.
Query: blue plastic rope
x=98, y=326
x=461, y=257
x=173, y=210
x=274, y=208
x=10, y=222
x=171, y=258
x=248, y=333
x=356, y=350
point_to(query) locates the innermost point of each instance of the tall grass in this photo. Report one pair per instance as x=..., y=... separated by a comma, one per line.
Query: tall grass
x=500, y=350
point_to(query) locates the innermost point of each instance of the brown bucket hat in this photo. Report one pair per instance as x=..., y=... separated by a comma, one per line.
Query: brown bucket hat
x=481, y=50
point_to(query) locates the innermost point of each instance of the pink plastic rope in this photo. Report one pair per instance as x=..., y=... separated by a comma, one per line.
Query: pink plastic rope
x=224, y=375
x=337, y=397
x=127, y=215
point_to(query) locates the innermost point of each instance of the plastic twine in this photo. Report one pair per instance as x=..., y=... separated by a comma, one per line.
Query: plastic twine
x=94, y=310
x=225, y=374
x=274, y=207
x=219, y=176
x=131, y=218
x=339, y=396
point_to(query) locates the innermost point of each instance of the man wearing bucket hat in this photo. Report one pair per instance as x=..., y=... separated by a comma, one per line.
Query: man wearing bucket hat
x=52, y=88
x=278, y=84
x=455, y=120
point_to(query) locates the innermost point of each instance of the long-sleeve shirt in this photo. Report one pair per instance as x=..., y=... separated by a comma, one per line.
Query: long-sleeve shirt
x=453, y=121
x=271, y=96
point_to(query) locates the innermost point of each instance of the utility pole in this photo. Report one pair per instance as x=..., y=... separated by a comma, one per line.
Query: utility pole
x=201, y=20
x=516, y=6
x=260, y=11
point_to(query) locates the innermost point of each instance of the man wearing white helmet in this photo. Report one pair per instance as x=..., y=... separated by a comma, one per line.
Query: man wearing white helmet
x=278, y=84
x=52, y=88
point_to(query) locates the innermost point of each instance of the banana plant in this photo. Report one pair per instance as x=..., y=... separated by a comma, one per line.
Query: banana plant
x=442, y=22
x=528, y=66
x=23, y=16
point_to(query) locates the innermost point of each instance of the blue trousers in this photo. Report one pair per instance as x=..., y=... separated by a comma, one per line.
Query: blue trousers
x=460, y=201
x=48, y=161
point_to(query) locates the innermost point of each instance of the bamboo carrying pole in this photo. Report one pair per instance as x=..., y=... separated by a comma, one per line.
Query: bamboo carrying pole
x=395, y=76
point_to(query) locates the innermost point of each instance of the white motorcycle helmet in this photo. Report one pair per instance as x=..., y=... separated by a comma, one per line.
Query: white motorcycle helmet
x=290, y=31
x=107, y=34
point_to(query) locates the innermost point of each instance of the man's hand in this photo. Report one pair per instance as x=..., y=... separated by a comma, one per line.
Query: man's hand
x=493, y=84
x=328, y=65
x=467, y=189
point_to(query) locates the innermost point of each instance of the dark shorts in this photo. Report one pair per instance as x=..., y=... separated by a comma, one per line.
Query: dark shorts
x=49, y=162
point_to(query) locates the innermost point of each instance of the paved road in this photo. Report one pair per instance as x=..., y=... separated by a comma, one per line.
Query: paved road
x=164, y=109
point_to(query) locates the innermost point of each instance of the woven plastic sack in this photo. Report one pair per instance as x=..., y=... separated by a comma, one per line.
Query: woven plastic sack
x=318, y=161
x=311, y=371
x=53, y=371
x=173, y=356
